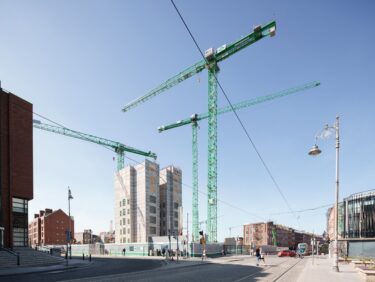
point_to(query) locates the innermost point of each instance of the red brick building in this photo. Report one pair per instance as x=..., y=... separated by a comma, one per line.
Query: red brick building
x=16, y=168
x=50, y=228
x=268, y=233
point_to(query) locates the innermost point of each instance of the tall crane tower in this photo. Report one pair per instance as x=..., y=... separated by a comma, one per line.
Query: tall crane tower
x=117, y=147
x=193, y=120
x=210, y=62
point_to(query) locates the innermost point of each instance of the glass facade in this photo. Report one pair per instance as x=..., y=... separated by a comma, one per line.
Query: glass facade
x=20, y=222
x=359, y=220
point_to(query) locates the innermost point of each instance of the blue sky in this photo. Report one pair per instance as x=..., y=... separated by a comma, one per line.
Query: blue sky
x=80, y=62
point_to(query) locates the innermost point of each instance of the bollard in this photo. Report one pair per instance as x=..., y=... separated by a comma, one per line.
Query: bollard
x=90, y=258
x=18, y=259
x=83, y=256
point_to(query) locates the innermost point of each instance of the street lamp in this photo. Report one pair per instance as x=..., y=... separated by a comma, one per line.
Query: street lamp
x=70, y=197
x=326, y=132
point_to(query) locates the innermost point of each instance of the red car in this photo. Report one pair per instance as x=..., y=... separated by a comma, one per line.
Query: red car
x=286, y=253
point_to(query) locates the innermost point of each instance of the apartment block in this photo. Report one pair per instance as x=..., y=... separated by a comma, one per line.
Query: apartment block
x=50, y=228
x=170, y=201
x=137, y=203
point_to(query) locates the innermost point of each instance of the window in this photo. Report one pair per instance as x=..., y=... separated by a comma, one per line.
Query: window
x=124, y=231
x=153, y=199
x=128, y=202
x=152, y=209
x=123, y=221
x=128, y=221
x=152, y=219
x=176, y=214
x=175, y=205
x=120, y=213
x=123, y=212
x=120, y=232
x=120, y=203
x=163, y=223
x=128, y=211
x=152, y=230
x=123, y=202
x=176, y=224
x=163, y=205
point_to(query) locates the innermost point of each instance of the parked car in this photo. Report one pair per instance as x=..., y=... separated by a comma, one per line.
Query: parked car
x=286, y=253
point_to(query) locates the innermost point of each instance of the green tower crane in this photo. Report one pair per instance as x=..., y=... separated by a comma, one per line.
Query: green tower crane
x=117, y=147
x=210, y=62
x=193, y=120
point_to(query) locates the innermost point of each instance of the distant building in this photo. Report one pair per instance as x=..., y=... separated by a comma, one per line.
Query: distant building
x=107, y=237
x=86, y=237
x=170, y=201
x=268, y=233
x=137, y=203
x=16, y=168
x=143, y=208
x=50, y=228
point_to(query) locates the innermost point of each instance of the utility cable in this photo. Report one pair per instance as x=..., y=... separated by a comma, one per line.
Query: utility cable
x=235, y=113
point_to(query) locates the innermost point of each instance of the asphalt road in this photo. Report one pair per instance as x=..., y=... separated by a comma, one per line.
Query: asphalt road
x=128, y=269
x=223, y=269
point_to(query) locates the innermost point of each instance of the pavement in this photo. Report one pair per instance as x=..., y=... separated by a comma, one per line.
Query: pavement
x=320, y=269
x=73, y=263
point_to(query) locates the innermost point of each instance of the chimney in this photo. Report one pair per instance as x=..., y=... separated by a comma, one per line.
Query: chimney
x=36, y=215
x=48, y=211
x=41, y=213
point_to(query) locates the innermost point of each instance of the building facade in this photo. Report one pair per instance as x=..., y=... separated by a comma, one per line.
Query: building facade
x=356, y=225
x=170, y=201
x=16, y=168
x=356, y=217
x=50, y=228
x=268, y=233
x=137, y=203
x=143, y=208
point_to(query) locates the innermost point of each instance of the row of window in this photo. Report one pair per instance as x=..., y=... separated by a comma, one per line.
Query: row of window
x=123, y=221
x=123, y=231
x=123, y=202
x=123, y=212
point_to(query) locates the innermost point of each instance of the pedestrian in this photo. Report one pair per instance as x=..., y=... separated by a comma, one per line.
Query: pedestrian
x=123, y=251
x=163, y=251
x=257, y=255
x=262, y=257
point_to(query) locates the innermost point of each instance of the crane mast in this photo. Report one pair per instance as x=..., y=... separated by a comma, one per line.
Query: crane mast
x=117, y=147
x=210, y=62
x=193, y=120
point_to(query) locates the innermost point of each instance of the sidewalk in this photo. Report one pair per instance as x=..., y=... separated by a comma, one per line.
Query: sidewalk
x=73, y=263
x=321, y=270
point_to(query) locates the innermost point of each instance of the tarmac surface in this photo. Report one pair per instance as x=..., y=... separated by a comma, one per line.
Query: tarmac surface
x=227, y=268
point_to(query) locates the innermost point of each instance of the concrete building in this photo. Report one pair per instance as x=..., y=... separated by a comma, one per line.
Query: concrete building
x=170, y=201
x=137, y=203
x=16, y=168
x=50, y=228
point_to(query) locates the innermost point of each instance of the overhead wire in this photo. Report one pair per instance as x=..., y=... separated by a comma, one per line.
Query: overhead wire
x=237, y=117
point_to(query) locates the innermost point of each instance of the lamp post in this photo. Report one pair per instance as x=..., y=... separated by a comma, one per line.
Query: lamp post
x=316, y=151
x=70, y=197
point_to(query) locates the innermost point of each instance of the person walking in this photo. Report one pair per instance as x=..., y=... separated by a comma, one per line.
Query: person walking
x=123, y=251
x=257, y=255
